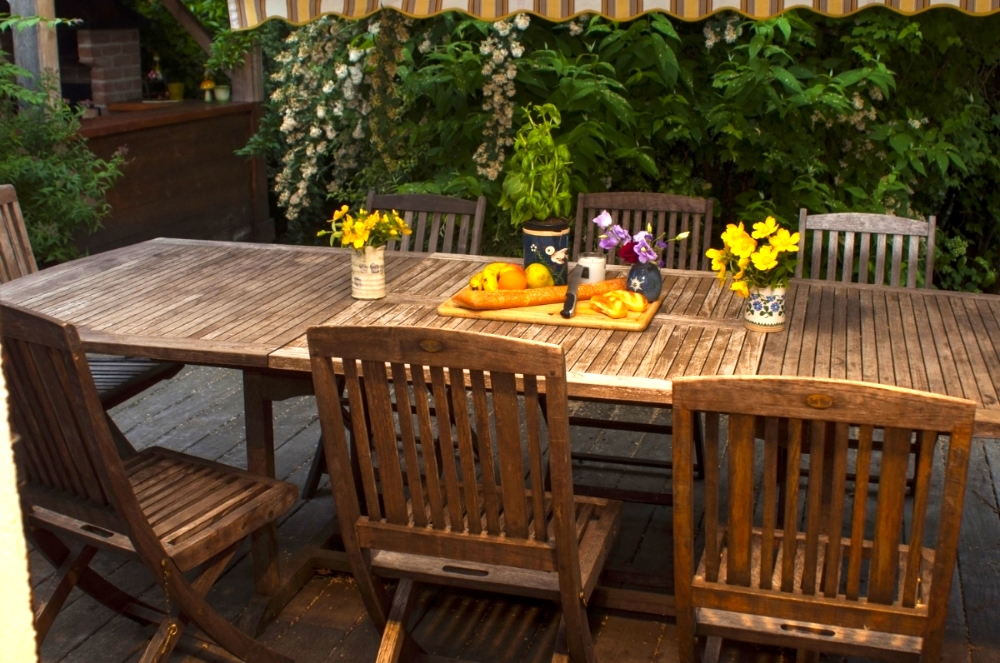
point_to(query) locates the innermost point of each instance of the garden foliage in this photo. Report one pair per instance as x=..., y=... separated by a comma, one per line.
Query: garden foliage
x=61, y=184
x=876, y=112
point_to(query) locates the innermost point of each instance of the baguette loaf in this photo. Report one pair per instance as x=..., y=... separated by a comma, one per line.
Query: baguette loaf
x=481, y=300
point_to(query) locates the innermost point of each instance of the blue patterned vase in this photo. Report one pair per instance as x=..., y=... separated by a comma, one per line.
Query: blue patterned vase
x=645, y=277
x=547, y=242
x=765, y=310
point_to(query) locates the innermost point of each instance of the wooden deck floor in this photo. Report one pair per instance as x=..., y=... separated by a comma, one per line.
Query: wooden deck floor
x=200, y=412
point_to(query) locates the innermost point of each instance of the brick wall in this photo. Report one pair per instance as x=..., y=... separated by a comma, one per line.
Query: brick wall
x=115, y=66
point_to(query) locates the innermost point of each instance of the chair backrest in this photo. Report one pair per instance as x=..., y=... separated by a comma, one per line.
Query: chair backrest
x=66, y=448
x=488, y=506
x=861, y=555
x=857, y=231
x=432, y=219
x=16, y=258
x=664, y=212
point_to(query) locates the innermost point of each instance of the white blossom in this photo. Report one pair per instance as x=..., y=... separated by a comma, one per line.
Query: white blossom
x=425, y=46
x=340, y=70
x=320, y=112
x=354, y=55
x=315, y=132
x=914, y=123
x=374, y=27
x=522, y=21
x=357, y=74
x=575, y=29
x=516, y=50
x=502, y=27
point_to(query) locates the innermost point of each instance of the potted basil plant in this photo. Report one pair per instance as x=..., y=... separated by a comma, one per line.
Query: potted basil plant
x=536, y=190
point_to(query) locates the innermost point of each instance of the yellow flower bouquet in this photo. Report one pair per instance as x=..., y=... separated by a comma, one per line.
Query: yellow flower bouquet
x=367, y=233
x=365, y=228
x=760, y=264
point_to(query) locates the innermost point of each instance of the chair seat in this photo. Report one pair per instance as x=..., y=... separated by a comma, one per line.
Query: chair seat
x=197, y=507
x=120, y=378
x=597, y=524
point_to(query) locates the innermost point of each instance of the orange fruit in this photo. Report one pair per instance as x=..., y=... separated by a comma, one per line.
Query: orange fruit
x=512, y=278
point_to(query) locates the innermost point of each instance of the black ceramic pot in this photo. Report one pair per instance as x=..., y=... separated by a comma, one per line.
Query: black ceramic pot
x=547, y=242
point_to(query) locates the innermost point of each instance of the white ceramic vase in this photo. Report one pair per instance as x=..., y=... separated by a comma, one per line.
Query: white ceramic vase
x=765, y=310
x=368, y=273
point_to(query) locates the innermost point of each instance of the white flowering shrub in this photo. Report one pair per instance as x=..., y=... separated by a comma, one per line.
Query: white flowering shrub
x=875, y=112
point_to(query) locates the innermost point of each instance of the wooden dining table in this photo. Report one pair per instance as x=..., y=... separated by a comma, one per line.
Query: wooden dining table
x=247, y=306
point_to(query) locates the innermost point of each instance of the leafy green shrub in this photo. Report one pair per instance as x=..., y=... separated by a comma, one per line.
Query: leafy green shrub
x=537, y=183
x=60, y=183
x=877, y=112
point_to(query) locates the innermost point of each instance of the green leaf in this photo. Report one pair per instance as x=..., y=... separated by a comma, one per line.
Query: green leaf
x=901, y=143
x=666, y=61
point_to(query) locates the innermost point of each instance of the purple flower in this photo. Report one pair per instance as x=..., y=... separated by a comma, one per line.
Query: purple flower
x=660, y=244
x=643, y=250
x=615, y=235
x=603, y=220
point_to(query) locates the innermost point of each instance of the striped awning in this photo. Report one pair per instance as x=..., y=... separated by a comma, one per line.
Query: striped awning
x=250, y=13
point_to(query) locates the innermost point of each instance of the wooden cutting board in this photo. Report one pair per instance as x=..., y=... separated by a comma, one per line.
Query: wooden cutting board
x=548, y=314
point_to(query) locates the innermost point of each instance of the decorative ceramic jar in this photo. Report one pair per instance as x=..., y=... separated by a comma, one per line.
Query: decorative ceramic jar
x=547, y=242
x=645, y=277
x=765, y=310
x=368, y=273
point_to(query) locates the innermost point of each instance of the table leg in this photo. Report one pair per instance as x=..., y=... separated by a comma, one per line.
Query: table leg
x=258, y=413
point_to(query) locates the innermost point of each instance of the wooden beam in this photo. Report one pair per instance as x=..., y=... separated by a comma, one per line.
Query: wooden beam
x=35, y=48
x=190, y=23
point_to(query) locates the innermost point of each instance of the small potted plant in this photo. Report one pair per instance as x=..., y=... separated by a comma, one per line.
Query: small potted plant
x=366, y=233
x=759, y=271
x=536, y=190
x=641, y=250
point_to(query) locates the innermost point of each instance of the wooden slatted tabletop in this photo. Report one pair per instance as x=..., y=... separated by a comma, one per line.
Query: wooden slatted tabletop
x=220, y=303
x=248, y=306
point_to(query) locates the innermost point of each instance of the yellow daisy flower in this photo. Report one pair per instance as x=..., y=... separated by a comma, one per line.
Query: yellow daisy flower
x=765, y=228
x=740, y=288
x=765, y=259
x=785, y=241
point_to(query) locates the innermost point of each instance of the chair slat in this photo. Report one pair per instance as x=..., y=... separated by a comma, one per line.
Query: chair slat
x=484, y=438
x=771, y=441
x=362, y=445
x=848, y=272
x=863, y=259
x=880, y=249
x=420, y=234
x=434, y=236
x=463, y=235
x=814, y=505
x=696, y=239
x=435, y=496
x=817, y=252
x=379, y=410
x=832, y=560
x=740, y=521
x=404, y=242
x=791, y=514
x=671, y=246
x=831, y=255
x=449, y=233
x=466, y=454
x=921, y=492
x=912, y=261
x=889, y=516
x=409, y=442
x=511, y=463
x=861, y=474
x=532, y=424
x=682, y=246
x=448, y=467
x=712, y=497
x=897, y=259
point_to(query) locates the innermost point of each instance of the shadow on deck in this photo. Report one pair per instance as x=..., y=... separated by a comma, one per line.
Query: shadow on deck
x=201, y=412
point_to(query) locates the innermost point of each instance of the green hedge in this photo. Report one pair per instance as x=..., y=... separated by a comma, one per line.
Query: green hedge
x=876, y=112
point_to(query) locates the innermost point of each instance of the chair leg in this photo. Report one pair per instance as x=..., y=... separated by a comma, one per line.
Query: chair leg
x=66, y=578
x=699, y=447
x=713, y=650
x=316, y=472
x=579, y=643
x=99, y=589
x=190, y=606
x=806, y=656
x=560, y=654
x=397, y=643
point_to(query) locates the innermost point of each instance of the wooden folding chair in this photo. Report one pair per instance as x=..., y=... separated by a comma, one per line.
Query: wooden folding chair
x=636, y=210
x=484, y=520
x=176, y=513
x=853, y=258
x=666, y=213
x=433, y=220
x=118, y=378
x=845, y=576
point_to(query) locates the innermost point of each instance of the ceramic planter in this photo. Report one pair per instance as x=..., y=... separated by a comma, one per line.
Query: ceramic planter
x=547, y=242
x=222, y=93
x=645, y=277
x=765, y=310
x=368, y=273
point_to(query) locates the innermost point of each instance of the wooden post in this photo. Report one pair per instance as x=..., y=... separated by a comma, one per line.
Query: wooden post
x=35, y=49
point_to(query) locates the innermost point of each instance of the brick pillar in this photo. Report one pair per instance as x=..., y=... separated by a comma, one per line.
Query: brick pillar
x=115, y=64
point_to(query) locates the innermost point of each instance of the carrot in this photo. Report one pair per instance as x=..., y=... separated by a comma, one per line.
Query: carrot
x=480, y=300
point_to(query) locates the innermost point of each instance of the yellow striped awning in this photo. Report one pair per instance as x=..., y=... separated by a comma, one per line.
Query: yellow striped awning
x=250, y=13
